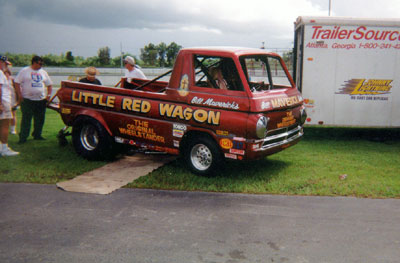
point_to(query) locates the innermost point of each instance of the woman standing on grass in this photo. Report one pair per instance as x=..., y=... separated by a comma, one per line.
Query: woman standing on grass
x=5, y=109
x=14, y=100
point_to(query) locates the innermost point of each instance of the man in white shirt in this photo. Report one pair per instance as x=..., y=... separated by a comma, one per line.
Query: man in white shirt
x=5, y=109
x=36, y=87
x=132, y=71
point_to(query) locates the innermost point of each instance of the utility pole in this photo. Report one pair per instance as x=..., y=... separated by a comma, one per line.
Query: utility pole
x=122, y=57
x=330, y=7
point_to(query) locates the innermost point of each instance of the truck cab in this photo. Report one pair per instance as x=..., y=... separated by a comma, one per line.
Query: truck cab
x=220, y=103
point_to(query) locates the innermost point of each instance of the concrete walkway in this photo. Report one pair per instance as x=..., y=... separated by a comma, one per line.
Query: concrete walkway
x=40, y=223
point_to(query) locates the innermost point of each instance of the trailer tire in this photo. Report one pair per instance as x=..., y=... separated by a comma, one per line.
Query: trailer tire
x=91, y=140
x=203, y=156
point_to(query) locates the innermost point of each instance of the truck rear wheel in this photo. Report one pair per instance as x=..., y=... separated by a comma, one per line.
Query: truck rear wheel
x=203, y=156
x=91, y=140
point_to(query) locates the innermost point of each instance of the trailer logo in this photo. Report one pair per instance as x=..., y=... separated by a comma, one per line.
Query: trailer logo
x=366, y=87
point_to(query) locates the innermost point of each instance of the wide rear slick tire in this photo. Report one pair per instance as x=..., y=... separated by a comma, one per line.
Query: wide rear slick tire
x=91, y=140
x=203, y=156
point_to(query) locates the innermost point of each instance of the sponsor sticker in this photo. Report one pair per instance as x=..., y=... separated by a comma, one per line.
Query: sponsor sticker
x=222, y=133
x=226, y=143
x=119, y=139
x=177, y=133
x=237, y=151
x=265, y=105
x=178, y=130
x=255, y=146
x=231, y=156
x=65, y=110
x=178, y=126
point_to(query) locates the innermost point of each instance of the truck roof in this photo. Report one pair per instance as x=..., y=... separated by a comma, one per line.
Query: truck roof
x=323, y=20
x=214, y=50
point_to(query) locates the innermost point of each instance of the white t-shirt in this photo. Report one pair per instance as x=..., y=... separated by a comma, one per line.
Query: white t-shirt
x=5, y=89
x=134, y=74
x=33, y=83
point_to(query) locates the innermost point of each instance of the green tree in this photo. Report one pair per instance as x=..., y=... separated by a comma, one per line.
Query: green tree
x=162, y=51
x=149, y=54
x=172, y=51
x=69, y=56
x=104, y=56
x=91, y=61
x=51, y=60
x=19, y=60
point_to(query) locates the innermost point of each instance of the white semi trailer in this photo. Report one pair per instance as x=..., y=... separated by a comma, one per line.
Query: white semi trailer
x=348, y=70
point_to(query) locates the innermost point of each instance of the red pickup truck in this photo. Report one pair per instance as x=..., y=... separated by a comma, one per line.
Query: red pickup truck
x=220, y=102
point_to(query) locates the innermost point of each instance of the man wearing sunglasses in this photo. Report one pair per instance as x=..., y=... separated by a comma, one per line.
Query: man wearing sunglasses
x=36, y=87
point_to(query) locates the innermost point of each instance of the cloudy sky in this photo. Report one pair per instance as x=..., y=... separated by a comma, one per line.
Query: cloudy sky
x=57, y=26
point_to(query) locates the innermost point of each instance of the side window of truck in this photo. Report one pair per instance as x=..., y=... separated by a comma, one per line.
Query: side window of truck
x=217, y=73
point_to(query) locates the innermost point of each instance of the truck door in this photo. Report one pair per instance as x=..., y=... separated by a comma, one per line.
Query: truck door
x=218, y=89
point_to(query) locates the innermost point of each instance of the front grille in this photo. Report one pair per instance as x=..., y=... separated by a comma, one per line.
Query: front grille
x=282, y=136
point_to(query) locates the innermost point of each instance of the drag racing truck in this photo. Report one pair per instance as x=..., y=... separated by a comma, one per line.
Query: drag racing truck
x=220, y=103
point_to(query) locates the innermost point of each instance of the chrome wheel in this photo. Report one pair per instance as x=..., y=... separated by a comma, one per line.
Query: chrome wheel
x=201, y=157
x=89, y=137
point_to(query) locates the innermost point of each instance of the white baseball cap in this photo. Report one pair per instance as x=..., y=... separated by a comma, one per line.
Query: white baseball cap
x=130, y=60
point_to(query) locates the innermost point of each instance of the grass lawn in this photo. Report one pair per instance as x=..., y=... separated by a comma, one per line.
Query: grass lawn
x=369, y=157
x=43, y=161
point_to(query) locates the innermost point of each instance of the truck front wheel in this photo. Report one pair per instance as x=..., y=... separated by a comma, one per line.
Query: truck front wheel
x=203, y=156
x=91, y=140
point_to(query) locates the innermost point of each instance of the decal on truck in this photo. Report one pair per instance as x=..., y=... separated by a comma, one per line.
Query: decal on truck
x=211, y=102
x=93, y=98
x=141, y=129
x=178, y=130
x=184, y=86
x=199, y=115
x=286, y=102
x=226, y=143
x=287, y=121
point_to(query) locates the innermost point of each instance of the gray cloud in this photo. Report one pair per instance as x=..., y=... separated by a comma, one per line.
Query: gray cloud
x=83, y=26
x=106, y=14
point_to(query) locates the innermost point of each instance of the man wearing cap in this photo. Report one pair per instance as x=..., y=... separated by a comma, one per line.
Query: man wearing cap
x=90, y=78
x=5, y=109
x=132, y=71
x=36, y=87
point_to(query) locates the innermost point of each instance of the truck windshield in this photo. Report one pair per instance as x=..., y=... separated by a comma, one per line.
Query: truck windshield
x=264, y=73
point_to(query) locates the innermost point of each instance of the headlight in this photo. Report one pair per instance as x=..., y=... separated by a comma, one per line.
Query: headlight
x=303, y=116
x=261, y=127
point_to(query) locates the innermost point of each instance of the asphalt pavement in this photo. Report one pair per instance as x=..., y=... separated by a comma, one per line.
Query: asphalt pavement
x=40, y=223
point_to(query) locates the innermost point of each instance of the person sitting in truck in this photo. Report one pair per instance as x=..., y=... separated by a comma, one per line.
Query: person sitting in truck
x=217, y=76
x=132, y=71
x=90, y=78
